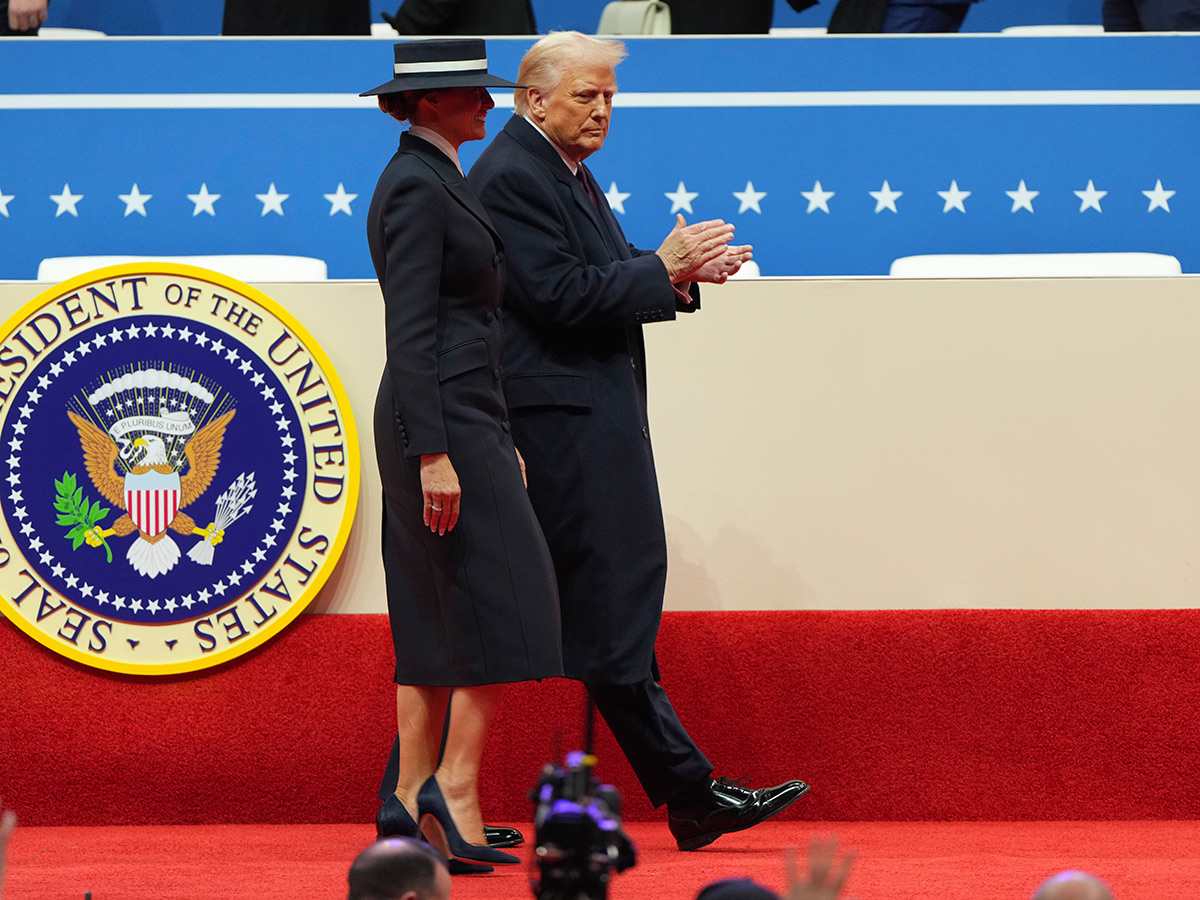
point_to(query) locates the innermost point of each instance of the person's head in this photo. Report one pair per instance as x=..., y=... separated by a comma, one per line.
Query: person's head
x=1072, y=885
x=570, y=81
x=442, y=85
x=398, y=868
x=457, y=113
x=736, y=889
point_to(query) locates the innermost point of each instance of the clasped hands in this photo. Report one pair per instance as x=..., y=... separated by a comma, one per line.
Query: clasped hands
x=702, y=252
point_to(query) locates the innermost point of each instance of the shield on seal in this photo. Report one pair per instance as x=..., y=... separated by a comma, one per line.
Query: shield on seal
x=152, y=500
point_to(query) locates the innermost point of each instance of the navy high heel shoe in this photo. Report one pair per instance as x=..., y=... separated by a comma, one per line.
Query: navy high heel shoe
x=439, y=829
x=393, y=820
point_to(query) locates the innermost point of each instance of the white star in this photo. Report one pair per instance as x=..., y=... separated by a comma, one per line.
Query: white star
x=288, y=492
x=681, y=198
x=246, y=366
x=115, y=335
x=290, y=474
x=201, y=338
x=339, y=202
x=151, y=329
x=99, y=339
x=72, y=581
x=615, y=198
x=188, y=602
x=749, y=198
x=281, y=424
x=817, y=198
x=954, y=198
x=204, y=201
x=1158, y=197
x=66, y=201
x=247, y=567
x=268, y=540
x=218, y=346
x=257, y=379
x=272, y=200
x=58, y=570
x=135, y=201
x=102, y=597
x=276, y=408
x=136, y=605
x=1090, y=197
x=268, y=392
x=287, y=440
x=885, y=197
x=133, y=331
x=152, y=606
x=4, y=198
x=168, y=330
x=232, y=356
x=1022, y=197
x=203, y=596
x=260, y=554
x=277, y=525
x=171, y=604
x=185, y=333
x=219, y=588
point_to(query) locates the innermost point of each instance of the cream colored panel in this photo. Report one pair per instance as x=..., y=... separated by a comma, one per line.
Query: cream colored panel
x=869, y=444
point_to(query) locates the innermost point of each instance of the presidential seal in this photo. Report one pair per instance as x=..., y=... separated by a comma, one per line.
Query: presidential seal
x=178, y=468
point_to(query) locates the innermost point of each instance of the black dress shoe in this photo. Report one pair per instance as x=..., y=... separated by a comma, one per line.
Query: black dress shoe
x=727, y=806
x=500, y=836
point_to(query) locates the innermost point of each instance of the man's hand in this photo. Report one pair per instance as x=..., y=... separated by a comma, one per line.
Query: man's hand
x=824, y=882
x=688, y=248
x=441, y=491
x=719, y=269
x=26, y=15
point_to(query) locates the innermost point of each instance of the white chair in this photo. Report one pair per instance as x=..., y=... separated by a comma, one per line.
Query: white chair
x=244, y=267
x=70, y=34
x=1035, y=265
x=383, y=29
x=806, y=31
x=635, y=17
x=1051, y=30
x=748, y=270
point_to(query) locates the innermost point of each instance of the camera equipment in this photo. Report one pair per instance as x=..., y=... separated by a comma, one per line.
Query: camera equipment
x=577, y=822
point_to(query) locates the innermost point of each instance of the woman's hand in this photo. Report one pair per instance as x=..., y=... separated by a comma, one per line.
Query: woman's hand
x=521, y=463
x=439, y=487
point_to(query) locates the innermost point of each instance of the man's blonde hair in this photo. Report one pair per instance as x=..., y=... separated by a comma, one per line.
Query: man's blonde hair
x=547, y=60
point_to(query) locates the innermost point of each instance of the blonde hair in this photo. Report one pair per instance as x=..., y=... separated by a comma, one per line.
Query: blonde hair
x=547, y=60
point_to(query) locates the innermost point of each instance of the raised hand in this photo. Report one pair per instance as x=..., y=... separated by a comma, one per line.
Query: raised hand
x=689, y=247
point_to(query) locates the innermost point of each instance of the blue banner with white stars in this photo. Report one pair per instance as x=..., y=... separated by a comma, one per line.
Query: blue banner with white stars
x=833, y=156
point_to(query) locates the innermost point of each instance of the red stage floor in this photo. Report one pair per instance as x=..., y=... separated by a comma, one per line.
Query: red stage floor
x=896, y=861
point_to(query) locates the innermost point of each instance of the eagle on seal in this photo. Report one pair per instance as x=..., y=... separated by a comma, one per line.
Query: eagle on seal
x=152, y=493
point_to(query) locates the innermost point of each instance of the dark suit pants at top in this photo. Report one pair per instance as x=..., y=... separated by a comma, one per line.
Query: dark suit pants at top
x=921, y=18
x=663, y=755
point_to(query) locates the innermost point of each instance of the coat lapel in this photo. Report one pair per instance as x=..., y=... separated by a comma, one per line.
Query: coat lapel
x=527, y=136
x=456, y=186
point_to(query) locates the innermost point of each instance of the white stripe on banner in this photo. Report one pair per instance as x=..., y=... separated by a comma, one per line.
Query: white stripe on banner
x=664, y=100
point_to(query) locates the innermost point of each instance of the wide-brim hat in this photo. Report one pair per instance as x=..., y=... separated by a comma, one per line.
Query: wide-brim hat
x=426, y=65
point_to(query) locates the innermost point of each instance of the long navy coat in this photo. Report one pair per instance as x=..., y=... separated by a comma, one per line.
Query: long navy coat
x=575, y=378
x=476, y=605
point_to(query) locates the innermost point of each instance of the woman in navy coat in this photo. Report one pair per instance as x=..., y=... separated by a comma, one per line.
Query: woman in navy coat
x=470, y=584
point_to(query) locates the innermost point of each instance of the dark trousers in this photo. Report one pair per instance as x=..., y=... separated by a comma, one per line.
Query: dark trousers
x=919, y=18
x=663, y=755
x=1151, y=15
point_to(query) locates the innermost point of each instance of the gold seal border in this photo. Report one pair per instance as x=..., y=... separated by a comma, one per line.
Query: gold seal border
x=349, y=429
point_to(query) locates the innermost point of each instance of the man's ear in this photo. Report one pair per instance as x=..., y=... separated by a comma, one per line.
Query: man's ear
x=537, y=103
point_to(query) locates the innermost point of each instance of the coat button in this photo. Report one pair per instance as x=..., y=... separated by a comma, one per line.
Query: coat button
x=505, y=425
x=645, y=432
x=496, y=261
x=633, y=362
x=496, y=373
x=490, y=318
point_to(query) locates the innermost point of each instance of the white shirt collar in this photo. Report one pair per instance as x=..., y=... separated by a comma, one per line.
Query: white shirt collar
x=571, y=164
x=428, y=134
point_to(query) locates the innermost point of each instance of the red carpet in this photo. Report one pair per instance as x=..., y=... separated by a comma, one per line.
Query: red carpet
x=896, y=861
x=928, y=715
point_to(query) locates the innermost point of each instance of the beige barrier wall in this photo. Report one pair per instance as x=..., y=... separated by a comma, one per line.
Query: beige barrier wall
x=871, y=444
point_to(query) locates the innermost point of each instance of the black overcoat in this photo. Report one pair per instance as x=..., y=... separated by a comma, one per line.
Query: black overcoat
x=477, y=605
x=576, y=295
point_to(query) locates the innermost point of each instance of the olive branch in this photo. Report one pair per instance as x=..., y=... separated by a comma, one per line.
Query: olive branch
x=74, y=510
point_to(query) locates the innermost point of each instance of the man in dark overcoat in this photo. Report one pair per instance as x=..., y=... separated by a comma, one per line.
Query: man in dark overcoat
x=576, y=296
